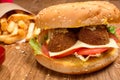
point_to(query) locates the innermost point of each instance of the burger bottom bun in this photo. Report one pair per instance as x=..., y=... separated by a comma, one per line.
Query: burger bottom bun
x=73, y=65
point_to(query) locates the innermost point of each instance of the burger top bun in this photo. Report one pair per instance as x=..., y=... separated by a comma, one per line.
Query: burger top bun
x=78, y=14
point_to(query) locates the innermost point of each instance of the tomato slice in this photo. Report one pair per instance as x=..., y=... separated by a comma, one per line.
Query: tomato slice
x=114, y=37
x=66, y=53
x=91, y=51
x=118, y=31
x=45, y=50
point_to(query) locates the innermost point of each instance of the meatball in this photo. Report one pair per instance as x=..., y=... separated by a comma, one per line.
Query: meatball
x=61, y=39
x=96, y=35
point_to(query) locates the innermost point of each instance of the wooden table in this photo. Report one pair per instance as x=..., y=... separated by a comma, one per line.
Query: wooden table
x=20, y=63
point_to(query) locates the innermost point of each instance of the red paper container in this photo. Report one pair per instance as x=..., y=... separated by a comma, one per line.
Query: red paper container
x=2, y=54
x=1, y=1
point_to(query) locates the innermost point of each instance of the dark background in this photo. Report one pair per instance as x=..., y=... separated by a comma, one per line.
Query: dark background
x=36, y=5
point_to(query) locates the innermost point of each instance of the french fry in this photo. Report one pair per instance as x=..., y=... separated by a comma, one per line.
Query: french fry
x=9, y=39
x=18, y=17
x=4, y=24
x=30, y=31
x=11, y=26
x=3, y=37
x=17, y=27
x=15, y=31
x=12, y=39
x=5, y=33
x=36, y=31
x=21, y=33
x=22, y=25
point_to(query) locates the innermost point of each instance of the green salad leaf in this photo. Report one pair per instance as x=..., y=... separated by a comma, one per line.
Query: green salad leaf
x=35, y=46
x=111, y=29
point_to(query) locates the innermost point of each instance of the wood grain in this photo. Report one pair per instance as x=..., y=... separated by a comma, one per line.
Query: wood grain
x=20, y=63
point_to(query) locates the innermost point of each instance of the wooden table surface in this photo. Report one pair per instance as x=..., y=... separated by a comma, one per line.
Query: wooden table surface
x=20, y=63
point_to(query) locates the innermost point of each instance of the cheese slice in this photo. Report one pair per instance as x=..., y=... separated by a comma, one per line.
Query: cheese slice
x=80, y=44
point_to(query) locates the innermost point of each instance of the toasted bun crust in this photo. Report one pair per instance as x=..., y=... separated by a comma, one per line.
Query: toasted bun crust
x=79, y=14
x=73, y=65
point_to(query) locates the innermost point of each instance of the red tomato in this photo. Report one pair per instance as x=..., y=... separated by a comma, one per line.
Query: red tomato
x=2, y=55
x=45, y=50
x=91, y=51
x=118, y=31
x=114, y=37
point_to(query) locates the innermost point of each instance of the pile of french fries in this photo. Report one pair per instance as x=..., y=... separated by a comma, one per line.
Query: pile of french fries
x=17, y=27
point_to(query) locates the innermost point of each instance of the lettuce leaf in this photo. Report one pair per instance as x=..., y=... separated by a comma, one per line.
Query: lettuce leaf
x=35, y=46
x=111, y=29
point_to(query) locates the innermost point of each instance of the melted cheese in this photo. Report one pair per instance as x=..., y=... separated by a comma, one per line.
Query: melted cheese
x=80, y=44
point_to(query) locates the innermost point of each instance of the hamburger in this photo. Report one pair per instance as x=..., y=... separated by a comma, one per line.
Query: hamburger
x=77, y=38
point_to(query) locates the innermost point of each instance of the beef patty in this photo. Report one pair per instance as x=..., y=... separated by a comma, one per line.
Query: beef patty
x=94, y=35
x=61, y=39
